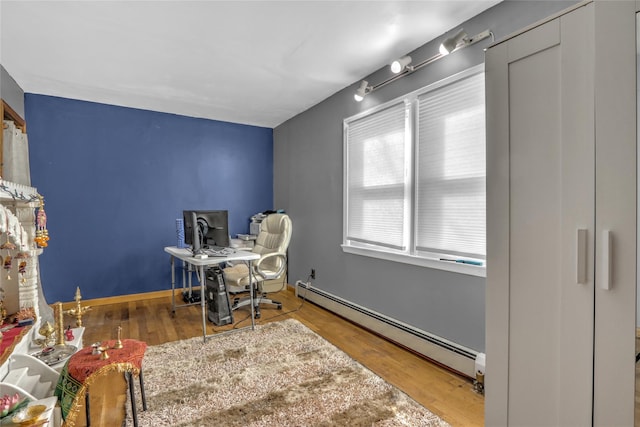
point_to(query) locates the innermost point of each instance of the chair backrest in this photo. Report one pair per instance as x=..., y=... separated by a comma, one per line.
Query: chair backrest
x=274, y=236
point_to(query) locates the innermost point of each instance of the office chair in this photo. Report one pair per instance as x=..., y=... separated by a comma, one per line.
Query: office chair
x=272, y=243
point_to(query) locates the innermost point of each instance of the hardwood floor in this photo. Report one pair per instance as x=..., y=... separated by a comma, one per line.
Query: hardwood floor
x=150, y=319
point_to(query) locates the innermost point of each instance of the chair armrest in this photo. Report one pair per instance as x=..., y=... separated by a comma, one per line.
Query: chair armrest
x=270, y=275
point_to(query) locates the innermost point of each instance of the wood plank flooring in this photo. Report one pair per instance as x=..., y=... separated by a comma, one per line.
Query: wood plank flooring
x=150, y=319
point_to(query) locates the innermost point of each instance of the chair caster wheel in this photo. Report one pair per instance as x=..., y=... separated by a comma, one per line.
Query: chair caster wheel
x=279, y=307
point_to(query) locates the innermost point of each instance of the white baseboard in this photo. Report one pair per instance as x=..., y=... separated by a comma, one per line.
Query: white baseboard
x=441, y=350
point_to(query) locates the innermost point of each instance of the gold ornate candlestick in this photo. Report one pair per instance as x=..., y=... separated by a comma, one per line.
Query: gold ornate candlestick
x=78, y=311
x=59, y=325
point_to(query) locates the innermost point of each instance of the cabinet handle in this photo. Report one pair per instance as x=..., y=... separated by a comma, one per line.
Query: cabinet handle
x=581, y=256
x=607, y=247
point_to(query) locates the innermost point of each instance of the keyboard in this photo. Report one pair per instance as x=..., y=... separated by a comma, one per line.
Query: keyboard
x=219, y=251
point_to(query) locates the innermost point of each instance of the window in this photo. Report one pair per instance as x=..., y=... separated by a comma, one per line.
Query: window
x=378, y=158
x=414, y=177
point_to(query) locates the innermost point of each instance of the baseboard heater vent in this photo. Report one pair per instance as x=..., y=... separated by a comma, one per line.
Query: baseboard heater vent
x=445, y=352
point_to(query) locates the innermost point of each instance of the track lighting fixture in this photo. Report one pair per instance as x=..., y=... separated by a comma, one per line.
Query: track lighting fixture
x=402, y=67
x=362, y=91
x=400, y=64
x=450, y=44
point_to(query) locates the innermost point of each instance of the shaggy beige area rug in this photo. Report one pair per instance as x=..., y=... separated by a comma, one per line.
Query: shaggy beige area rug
x=281, y=374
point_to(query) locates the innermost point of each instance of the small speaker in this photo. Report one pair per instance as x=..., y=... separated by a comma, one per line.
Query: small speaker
x=218, y=304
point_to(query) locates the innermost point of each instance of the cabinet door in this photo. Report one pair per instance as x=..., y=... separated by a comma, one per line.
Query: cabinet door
x=540, y=225
x=616, y=188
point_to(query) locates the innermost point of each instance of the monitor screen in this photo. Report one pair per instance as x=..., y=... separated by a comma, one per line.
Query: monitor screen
x=212, y=229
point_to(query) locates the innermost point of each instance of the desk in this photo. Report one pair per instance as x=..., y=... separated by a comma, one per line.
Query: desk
x=185, y=255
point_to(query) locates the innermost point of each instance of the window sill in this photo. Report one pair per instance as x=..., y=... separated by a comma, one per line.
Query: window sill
x=471, y=270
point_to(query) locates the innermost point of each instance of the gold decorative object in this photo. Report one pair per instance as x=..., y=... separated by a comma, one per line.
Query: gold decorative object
x=59, y=325
x=26, y=313
x=42, y=234
x=119, y=340
x=103, y=353
x=47, y=331
x=78, y=311
x=29, y=415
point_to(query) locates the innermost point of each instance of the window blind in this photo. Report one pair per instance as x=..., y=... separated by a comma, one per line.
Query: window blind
x=450, y=169
x=378, y=157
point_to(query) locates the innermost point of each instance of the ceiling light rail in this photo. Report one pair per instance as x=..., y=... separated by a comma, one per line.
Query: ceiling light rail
x=402, y=67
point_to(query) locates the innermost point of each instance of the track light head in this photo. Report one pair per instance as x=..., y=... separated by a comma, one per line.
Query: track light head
x=450, y=44
x=401, y=64
x=361, y=92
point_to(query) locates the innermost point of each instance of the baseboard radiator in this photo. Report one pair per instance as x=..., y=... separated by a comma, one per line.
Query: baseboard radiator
x=440, y=350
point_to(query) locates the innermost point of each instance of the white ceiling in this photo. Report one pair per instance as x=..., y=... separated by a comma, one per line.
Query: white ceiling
x=251, y=62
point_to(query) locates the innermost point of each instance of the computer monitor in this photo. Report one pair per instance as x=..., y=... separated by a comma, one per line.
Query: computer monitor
x=211, y=229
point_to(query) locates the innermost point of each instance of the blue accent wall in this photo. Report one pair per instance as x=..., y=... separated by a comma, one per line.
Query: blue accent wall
x=115, y=179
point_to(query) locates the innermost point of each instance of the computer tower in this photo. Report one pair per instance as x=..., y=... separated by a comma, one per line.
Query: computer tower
x=218, y=305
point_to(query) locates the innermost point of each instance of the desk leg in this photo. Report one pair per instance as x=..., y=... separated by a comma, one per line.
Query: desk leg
x=251, y=294
x=173, y=285
x=189, y=278
x=203, y=297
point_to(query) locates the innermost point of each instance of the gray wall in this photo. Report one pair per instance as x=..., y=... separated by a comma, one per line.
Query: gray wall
x=11, y=92
x=308, y=184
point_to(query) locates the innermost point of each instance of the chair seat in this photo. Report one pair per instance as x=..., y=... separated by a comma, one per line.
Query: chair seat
x=238, y=275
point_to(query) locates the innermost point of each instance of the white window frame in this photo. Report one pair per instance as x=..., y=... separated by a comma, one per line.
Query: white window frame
x=410, y=255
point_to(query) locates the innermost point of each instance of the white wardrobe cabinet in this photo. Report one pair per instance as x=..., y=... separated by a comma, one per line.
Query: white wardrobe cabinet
x=561, y=221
